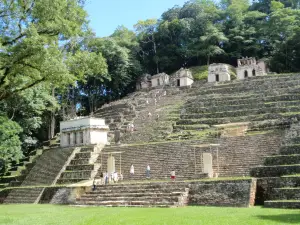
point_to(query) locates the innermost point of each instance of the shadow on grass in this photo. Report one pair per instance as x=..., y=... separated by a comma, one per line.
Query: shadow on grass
x=282, y=218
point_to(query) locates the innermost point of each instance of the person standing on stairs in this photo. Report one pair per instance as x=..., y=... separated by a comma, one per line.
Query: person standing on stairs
x=106, y=178
x=131, y=170
x=131, y=127
x=148, y=172
x=157, y=117
x=173, y=176
x=94, y=184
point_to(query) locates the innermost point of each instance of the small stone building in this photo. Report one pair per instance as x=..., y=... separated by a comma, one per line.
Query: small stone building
x=160, y=79
x=83, y=131
x=143, y=82
x=182, y=78
x=218, y=72
x=249, y=67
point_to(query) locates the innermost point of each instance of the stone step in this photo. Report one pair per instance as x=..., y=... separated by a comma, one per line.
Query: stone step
x=290, y=149
x=287, y=193
x=282, y=160
x=128, y=198
x=239, y=113
x=237, y=100
x=228, y=107
x=91, y=195
x=130, y=203
x=134, y=190
x=293, y=141
x=69, y=180
x=129, y=206
x=83, y=174
x=275, y=171
x=82, y=155
x=80, y=167
x=87, y=149
x=286, y=204
x=84, y=161
x=192, y=127
x=242, y=87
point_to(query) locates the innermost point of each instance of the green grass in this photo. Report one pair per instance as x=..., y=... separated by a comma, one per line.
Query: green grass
x=66, y=215
x=292, y=175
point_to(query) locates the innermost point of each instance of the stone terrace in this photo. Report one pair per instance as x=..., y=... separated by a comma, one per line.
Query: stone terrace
x=235, y=156
x=268, y=102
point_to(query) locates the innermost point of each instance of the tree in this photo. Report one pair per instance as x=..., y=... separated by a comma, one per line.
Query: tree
x=10, y=145
x=283, y=25
x=146, y=31
x=211, y=42
x=29, y=35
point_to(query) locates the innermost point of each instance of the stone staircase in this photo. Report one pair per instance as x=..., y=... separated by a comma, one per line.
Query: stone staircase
x=19, y=170
x=285, y=170
x=138, y=195
x=82, y=167
x=117, y=115
x=157, y=126
x=44, y=172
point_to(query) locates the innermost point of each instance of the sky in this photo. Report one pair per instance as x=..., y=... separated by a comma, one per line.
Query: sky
x=106, y=15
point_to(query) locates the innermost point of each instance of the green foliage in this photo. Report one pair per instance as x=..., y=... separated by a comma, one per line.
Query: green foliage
x=10, y=145
x=199, y=72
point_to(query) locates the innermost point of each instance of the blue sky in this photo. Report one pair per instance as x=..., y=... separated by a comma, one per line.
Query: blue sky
x=106, y=15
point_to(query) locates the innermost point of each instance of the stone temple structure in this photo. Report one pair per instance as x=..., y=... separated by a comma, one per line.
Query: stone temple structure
x=182, y=78
x=249, y=67
x=218, y=72
x=144, y=82
x=160, y=79
x=83, y=131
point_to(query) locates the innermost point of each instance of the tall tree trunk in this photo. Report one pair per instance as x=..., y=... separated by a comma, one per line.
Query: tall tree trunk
x=52, y=119
x=155, y=53
x=208, y=59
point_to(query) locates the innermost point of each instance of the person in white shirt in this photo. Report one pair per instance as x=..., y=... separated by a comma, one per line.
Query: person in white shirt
x=148, y=172
x=132, y=170
x=173, y=177
x=131, y=127
x=116, y=178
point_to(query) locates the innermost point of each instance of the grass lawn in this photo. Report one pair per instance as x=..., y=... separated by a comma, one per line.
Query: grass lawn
x=67, y=215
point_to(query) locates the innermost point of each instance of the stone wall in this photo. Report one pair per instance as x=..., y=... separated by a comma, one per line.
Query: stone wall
x=237, y=155
x=62, y=195
x=239, y=193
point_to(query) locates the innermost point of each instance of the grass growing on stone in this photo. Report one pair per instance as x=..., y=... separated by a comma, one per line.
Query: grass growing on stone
x=62, y=215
